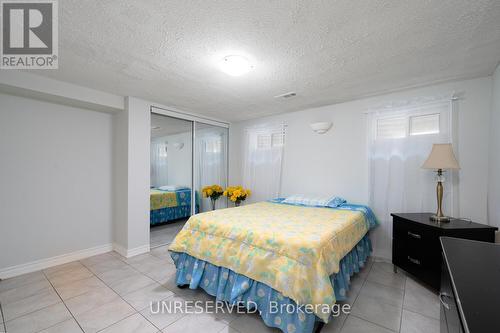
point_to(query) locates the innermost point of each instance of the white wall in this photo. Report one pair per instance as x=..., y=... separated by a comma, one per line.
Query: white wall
x=56, y=180
x=132, y=135
x=494, y=172
x=336, y=162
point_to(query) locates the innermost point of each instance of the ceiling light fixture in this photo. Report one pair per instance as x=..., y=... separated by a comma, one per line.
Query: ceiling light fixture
x=235, y=65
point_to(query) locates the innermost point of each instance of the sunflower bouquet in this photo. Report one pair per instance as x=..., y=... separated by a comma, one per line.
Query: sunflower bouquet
x=237, y=194
x=213, y=192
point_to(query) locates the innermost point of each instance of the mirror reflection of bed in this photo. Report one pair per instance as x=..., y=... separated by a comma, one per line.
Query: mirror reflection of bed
x=172, y=166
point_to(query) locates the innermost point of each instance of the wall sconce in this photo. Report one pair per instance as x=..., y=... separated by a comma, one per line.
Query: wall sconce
x=321, y=127
x=178, y=145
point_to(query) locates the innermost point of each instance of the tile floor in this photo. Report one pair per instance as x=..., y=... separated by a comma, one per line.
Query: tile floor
x=164, y=234
x=111, y=294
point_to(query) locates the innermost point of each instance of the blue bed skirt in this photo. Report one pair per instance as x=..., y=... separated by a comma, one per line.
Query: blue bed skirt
x=168, y=214
x=234, y=288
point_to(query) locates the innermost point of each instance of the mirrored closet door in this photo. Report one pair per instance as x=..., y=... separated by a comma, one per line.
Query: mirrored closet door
x=171, y=168
x=188, y=156
x=211, y=164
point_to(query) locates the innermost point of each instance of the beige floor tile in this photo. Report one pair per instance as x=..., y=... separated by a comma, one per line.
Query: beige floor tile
x=90, y=300
x=170, y=284
x=194, y=323
x=103, y=263
x=161, y=272
x=229, y=329
x=30, y=304
x=141, y=298
x=131, y=283
x=382, y=273
x=60, y=269
x=363, y=272
x=372, y=310
x=357, y=325
x=117, y=274
x=165, y=234
x=103, y=316
x=79, y=287
x=141, y=258
x=68, y=326
x=21, y=280
x=388, y=295
x=251, y=323
x=75, y=273
x=335, y=324
x=39, y=320
x=162, y=253
x=98, y=259
x=162, y=317
x=30, y=289
x=416, y=323
x=106, y=266
x=226, y=314
x=420, y=299
x=117, y=255
x=354, y=289
x=133, y=324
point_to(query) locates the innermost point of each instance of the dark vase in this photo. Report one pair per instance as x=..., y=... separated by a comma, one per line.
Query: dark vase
x=213, y=203
x=237, y=203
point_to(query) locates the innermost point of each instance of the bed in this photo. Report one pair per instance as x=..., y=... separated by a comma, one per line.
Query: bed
x=167, y=206
x=272, y=254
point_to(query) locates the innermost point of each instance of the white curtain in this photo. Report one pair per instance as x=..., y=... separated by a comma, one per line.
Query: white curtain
x=212, y=162
x=159, y=165
x=399, y=142
x=263, y=157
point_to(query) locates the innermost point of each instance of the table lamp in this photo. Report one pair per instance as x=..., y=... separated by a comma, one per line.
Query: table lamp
x=440, y=158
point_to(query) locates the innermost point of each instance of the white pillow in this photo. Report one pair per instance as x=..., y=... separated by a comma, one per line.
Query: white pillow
x=172, y=187
x=307, y=201
x=331, y=202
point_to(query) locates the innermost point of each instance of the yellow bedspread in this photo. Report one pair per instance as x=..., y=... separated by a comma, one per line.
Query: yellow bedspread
x=162, y=199
x=293, y=249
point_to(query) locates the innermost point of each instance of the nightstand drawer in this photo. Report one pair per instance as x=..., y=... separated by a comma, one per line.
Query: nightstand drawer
x=412, y=232
x=416, y=262
x=413, y=256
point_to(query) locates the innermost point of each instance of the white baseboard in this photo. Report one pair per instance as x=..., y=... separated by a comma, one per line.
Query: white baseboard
x=54, y=261
x=127, y=253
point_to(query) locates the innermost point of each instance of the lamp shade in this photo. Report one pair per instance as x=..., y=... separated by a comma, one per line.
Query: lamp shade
x=441, y=157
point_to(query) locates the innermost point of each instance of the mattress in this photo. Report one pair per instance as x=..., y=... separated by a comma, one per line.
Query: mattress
x=293, y=249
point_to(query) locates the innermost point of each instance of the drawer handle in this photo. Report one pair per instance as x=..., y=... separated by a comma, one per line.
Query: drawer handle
x=415, y=261
x=411, y=234
x=441, y=295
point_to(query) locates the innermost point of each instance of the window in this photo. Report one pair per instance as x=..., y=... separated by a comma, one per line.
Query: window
x=263, y=154
x=401, y=139
x=270, y=140
x=263, y=141
x=397, y=127
x=391, y=128
x=425, y=124
x=213, y=145
x=277, y=139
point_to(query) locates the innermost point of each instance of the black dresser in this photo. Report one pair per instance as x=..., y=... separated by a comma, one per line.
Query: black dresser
x=416, y=248
x=470, y=290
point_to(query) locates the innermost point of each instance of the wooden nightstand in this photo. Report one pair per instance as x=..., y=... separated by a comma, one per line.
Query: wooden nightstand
x=416, y=247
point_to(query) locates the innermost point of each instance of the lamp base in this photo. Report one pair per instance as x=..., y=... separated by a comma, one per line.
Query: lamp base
x=440, y=219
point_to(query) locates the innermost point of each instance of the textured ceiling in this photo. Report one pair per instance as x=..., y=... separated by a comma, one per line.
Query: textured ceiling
x=326, y=51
